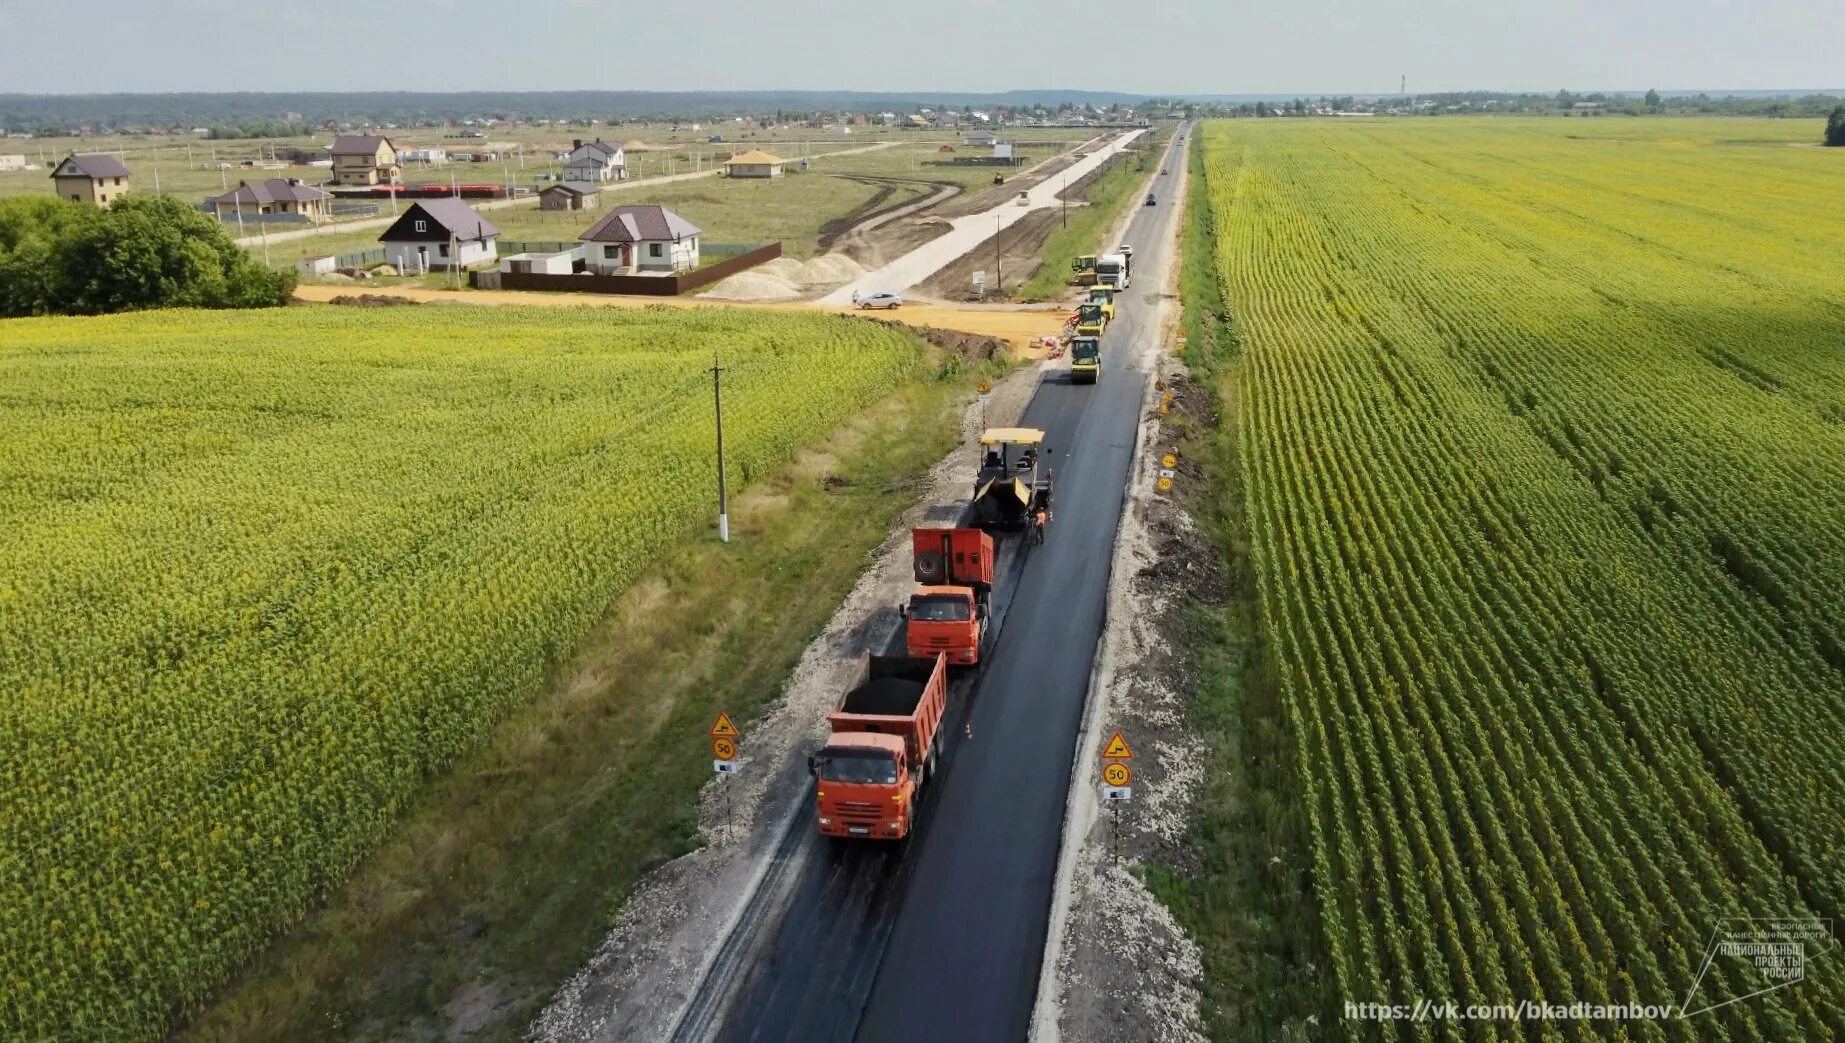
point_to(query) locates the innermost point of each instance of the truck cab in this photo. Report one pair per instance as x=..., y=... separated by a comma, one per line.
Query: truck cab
x=864, y=786
x=1090, y=319
x=1085, y=360
x=1113, y=271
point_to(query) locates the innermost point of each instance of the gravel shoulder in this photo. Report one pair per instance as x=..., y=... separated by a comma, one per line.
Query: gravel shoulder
x=651, y=963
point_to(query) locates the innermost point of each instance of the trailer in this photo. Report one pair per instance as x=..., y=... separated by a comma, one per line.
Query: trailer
x=882, y=747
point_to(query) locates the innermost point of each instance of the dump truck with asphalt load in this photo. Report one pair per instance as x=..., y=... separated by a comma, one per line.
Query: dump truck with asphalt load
x=947, y=612
x=1090, y=319
x=1013, y=481
x=882, y=747
x=1085, y=360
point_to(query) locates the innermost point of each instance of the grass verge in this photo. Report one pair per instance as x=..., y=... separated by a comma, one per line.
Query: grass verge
x=503, y=879
x=1249, y=903
x=1107, y=196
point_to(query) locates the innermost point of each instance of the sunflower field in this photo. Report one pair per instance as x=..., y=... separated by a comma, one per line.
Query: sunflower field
x=263, y=573
x=1542, y=428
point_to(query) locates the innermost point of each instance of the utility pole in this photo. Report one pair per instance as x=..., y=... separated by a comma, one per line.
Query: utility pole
x=717, y=400
x=263, y=227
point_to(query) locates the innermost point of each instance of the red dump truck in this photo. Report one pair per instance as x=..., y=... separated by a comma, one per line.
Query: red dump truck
x=947, y=612
x=882, y=747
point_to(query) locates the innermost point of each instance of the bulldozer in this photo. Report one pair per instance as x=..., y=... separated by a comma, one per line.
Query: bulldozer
x=1082, y=270
x=1013, y=480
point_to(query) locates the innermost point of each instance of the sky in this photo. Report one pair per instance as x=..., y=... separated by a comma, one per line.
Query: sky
x=1157, y=47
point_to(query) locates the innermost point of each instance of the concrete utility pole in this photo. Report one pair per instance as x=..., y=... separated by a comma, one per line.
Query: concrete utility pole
x=717, y=400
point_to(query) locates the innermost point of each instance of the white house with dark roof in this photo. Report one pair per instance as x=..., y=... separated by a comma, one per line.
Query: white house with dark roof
x=440, y=235
x=278, y=195
x=640, y=238
x=92, y=178
x=595, y=161
x=364, y=159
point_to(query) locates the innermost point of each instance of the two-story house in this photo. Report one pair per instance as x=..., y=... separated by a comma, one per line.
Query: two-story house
x=92, y=178
x=364, y=159
x=595, y=161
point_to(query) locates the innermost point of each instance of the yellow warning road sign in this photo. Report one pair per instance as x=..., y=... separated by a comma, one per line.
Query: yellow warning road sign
x=1117, y=749
x=724, y=749
x=1116, y=774
x=1169, y=461
x=723, y=728
x=1163, y=485
x=985, y=388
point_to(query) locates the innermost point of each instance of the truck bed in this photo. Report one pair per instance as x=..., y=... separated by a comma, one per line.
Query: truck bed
x=884, y=697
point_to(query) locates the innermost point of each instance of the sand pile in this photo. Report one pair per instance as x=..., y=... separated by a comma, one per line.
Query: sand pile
x=831, y=270
x=754, y=285
x=782, y=268
x=784, y=278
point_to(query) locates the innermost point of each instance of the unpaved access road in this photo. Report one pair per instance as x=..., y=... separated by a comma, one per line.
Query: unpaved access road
x=965, y=233
x=942, y=937
x=1017, y=326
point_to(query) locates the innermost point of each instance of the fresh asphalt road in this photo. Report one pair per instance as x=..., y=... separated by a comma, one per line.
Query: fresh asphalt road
x=941, y=938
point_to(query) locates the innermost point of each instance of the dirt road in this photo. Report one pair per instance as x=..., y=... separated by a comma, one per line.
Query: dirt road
x=968, y=232
x=1016, y=326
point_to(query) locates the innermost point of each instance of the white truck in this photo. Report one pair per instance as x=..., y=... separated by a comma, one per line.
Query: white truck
x=1114, y=271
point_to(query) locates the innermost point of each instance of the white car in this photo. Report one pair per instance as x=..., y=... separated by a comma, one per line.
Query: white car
x=880, y=300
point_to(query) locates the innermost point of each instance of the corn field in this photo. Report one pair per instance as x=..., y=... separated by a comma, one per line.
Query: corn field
x=263, y=573
x=1542, y=428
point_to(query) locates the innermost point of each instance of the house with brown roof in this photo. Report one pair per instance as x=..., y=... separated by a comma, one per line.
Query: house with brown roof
x=364, y=159
x=440, y=234
x=92, y=178
x=640, y=238
x=754, y=163
x=278, y=195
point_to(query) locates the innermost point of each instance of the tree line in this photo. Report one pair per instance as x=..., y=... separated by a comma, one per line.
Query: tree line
x=58, y=257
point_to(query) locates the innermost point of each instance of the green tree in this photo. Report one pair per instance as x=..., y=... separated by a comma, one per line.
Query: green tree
x=1652, y=99
x=143, y=252
x=1835, y=128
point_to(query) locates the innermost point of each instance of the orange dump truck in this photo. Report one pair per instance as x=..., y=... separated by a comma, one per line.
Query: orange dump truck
x=947, y=612
x=882, y=749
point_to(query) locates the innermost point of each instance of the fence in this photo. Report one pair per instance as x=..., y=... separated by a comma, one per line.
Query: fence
x=361, y=259
x=629, y=285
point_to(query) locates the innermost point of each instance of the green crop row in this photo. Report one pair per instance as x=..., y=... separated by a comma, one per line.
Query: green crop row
x=1545, y=475
x=265, y=572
